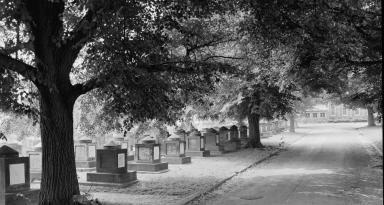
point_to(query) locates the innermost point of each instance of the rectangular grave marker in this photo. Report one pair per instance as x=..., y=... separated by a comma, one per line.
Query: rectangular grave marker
x=193, y=144
x=16, y=174
x=92, y=151
x=182, y=148
x=156, y=153
x=120, y=160
x=144, y=153
x=35, y=160
x=81, y=153
x=171, y=149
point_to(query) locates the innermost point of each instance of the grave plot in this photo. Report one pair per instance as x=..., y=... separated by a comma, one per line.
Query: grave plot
x=181, y=180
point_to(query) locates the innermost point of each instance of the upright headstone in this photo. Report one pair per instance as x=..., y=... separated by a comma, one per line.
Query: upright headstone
x=234, y=136
x=14, y=177
x=212, y=141
x=196, y=145
x=182, y=133
x=147, y=157
x=175, y=150
x=265, y=130
x=229, y=146
x=124, y=143
x=243, y=135
x=85, y=155
x=111, y=168
x=36, y=162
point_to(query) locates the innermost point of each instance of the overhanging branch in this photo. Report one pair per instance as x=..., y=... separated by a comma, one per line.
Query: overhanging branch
x=25, y=70
x=25, y=45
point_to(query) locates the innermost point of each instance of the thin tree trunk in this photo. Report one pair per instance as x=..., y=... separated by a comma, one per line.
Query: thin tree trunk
x=371, y=119
x=254, y=131
x=59, y=179
x=291, y=123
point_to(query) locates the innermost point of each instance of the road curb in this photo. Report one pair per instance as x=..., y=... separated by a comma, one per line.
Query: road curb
x=209, y=189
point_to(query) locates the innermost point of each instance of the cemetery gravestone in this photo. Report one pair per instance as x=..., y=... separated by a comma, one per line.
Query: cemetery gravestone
x=85, y=155
x=196, y=145
x=213, y=141
x=180, y=132
x=111, y=168
x=234, y=136
x=175, y=150
x=125, y=145
x=265, y=130
x=147, y=157
x=243, y=135
x=35, y=158
x=229, y=146
x=14, y=177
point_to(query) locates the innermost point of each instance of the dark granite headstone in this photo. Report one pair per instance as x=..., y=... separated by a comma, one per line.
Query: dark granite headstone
x=243, y=132
x=212, y=141
x=14, y=177
x=111, y=168
x=14, y=171
x=223, y=134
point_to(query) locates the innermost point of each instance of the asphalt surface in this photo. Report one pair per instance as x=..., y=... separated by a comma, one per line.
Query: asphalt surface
x=329, y=166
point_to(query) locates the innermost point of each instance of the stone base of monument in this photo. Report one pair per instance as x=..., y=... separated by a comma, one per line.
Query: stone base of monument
x=110, y=179
x=177, y=160
x=230, y=146
x=150, y=168
x=154, y=168
x=205, y=153
x=22, y=197
x=215, y=150
x=130, y=157
x=86, y=166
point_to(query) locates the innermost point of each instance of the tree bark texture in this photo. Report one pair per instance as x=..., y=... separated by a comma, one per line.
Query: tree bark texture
x=254, y=130
x=59, y=179
x=291, y=123
x=371, y=118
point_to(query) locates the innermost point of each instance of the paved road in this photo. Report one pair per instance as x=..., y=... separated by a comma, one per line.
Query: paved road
x=330, y=166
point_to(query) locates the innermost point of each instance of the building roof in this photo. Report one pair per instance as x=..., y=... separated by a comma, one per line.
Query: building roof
x=318, y=108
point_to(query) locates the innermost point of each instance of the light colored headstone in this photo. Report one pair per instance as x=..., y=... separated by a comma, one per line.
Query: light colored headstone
x=16, y=174
x=144, y=153
x=193, y=144
x=120, y=160
x=92, y=151
x=156, y=153
x=171, y=148
x=81, y=153
x=182, y=148
x=35, y=160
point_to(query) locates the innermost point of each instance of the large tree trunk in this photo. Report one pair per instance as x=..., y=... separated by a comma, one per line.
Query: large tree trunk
x=59, y=180
x=371, y=118
x=291, y=123
x=254, y=130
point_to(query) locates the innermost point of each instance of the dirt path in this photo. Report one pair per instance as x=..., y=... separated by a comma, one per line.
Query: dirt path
x=329, y=166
